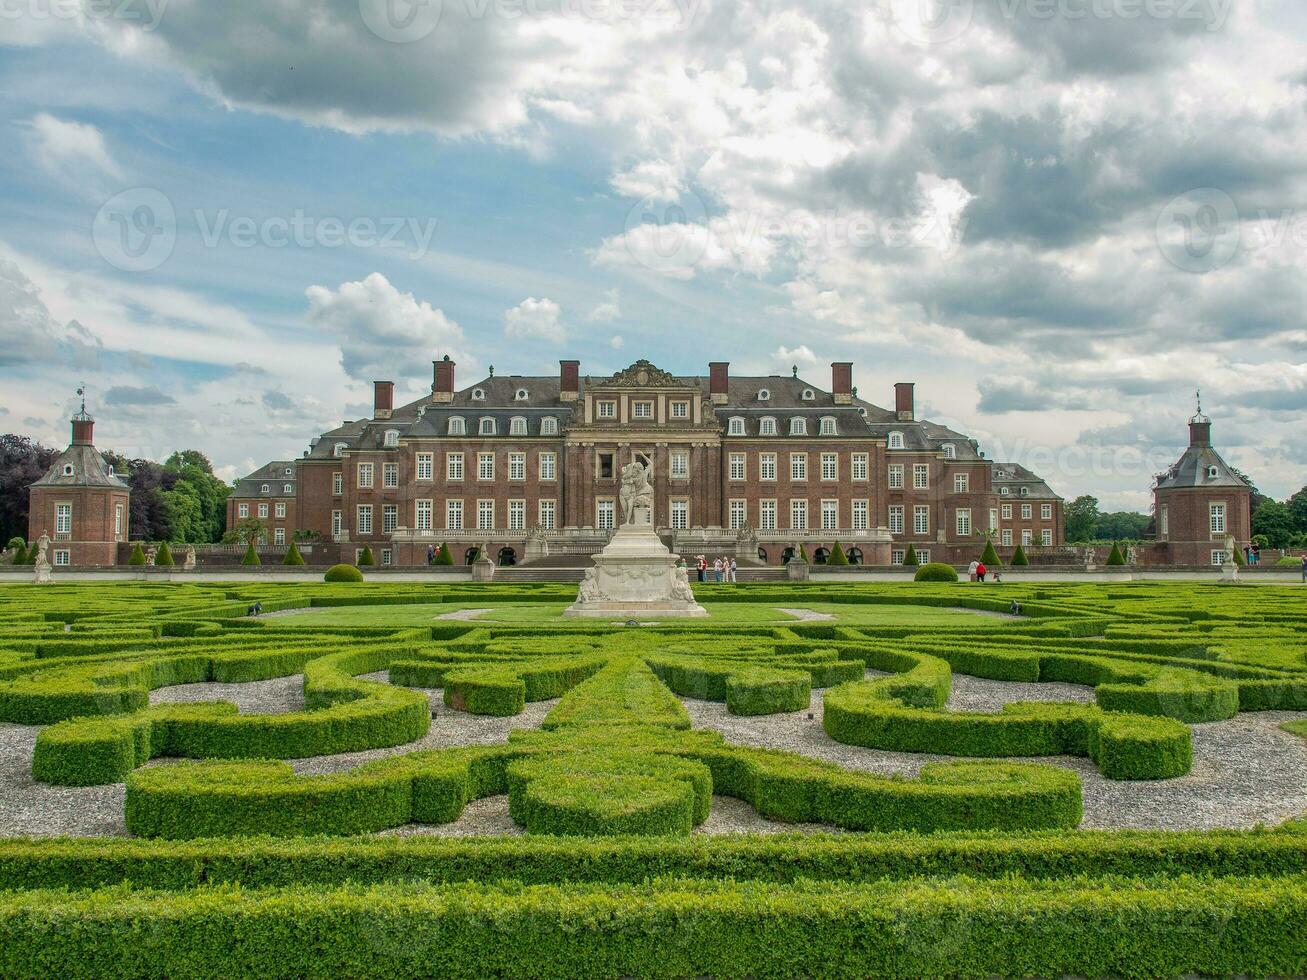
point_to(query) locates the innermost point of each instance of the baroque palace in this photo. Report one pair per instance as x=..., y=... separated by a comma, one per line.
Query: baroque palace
x=527, y=468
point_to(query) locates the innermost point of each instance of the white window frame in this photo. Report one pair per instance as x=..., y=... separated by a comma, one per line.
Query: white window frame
x=896, y=518
x=242, y=511
x=859, y=466
x=642, y=409
x=961, y=483
x=678, y=514
x=1046, y=537
x=547, y=509
x=279, y=510
x=766, y=426
x=830, y=466
x=486, y=514
x=363, y=519
x=830, y=515
x=606, y=409
x=279, y=535
x=921, y=519
x=549, y=426
x=798, y=513
x=895, y=440
x=798, y=467
x=737, y=466
x=366, y=475
x=263, y=512
x=735, y=427
x=895, y=476
x=548, y=465
x=516, y=467
x=1216, y=514
x=605, y=513
x=828, y=426
x=63, y=518
x=1045, y=512
x=680, y=410
x=487, y=427
x=424, y=466
x=457, y=426
x=391, y=439
x=389, y=475
x=1007, y=537
x=62, y=557
x=455, y=466
x=1027, y=512
x=389, y=518
x=860, y=514
x=1007, y=512
x=337, y=522
x=920, y=476
x=737, y=513
x=337, y=484
x=767, y=467
x=517, y=426
x=679, y=464
x=798, y=426
x=422, y=514
x=454, y=514
x=767, y=514
x=962, y=522
x=517, y=515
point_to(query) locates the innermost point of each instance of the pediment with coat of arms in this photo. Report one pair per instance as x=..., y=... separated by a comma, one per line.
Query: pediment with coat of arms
x=643, y=374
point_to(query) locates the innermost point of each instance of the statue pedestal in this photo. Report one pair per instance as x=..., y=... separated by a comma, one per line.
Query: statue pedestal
x=635, y=576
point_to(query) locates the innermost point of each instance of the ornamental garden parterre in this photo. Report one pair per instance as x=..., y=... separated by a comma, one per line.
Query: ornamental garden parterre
x=881, y=780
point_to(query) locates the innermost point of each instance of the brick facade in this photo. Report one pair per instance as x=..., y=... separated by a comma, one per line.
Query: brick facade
x=1200, y=504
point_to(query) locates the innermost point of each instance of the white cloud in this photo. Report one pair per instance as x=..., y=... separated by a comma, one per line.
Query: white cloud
x=72, y=152
x=382, y=332
x=535, y=318
x=617, y=342
x=609, y=309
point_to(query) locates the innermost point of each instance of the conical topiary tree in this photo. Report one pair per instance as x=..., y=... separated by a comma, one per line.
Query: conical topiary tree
x=137, y=556
x=910, y=557
x=366, y=558
x=251, y=556
x=803, y=555
x=163, y=556
x=293, y=556
x=1114, y=557
x=990, y=558
x=837, y=556
x=1019, y=557
x=20, y=550
x=1237, y=557
x=444, y=556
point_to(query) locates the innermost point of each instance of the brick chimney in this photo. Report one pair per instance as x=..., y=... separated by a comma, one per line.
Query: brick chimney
x=1200, y=432
x=383, y=399
x=569, y=380
x=442, y=387
x=719, y=381
x=904, y=401
x=841, y=382
x=82, y=427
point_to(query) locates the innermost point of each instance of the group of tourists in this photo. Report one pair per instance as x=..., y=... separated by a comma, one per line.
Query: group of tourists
x=1252, y=554
x=977, y=571
x=721, y=569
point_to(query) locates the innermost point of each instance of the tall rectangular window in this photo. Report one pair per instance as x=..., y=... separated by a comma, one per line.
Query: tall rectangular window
x=896, y=518
x=63, y=518
x=861, y=510
x=767, y=515
x=389, y=518
x=337, y=484
x=1046, y=537
x=485, y=466
x=549, y=466
x=858, y=466
x=1007, y=537
x=830, y=515
x=921, y=476
x=364, y=522
x=454, y=467
x=798, y=515
x=680, y=464
x=337, y=523
x=921, y=519
x=517, y=515
x=830, y=466
x=365, y=476
x=485, y=515
x=1046, y=512
x=680, y=514
x=605, y=514
x=1164, y=521
x=422, y=515
x=279, y=510
x=263, y=510
x=424, y=466
x=118, y=521
x=279, y=536
x=548, y=508
x=993, y=519
x=390, y=475
x=1026, y=512
x=1025, y=536
x=242, y=511
x=454, y=515
x=737, y=466
x=517, y=466
x=738, y=513
x=964, y=522
x=1007, y=512
x=798, y=466
x=767, y=466
x=896, y=476
x=960, y=482
x=1216, y=515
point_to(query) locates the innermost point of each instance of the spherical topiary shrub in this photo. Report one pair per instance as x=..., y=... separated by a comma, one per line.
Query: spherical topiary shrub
x=343, y=573
x=936, y=571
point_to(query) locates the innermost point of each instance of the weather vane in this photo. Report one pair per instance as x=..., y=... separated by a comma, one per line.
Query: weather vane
x=1198, y=396
x=81, y=391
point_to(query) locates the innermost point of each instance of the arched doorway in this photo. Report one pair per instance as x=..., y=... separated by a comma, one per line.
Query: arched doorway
x=787, y=556
x=470, y=555
x=762, y=555
x=819, y=556
x=855, y=556
x=507, y=557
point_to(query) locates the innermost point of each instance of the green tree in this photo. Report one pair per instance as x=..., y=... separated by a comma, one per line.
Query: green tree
x=137, y=556
x=245, y=531
x=1298, y=508
x=164, y=555
x=203, y=496
x=1115, y=557
x=1123, y=525
x=1019, y=557
x=19, y=547
x=366, y=558
x=990, y=557
x=910, y=558
x=1082, y=518
x=1275, y=521
x=444, y=556
x=837, y=556
x=251, y=556
x=293, y=556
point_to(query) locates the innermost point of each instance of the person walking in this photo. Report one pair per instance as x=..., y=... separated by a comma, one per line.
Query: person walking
x=717, y=570
x=733, y=570
x=971, y=570
x=701, y=564
x=1304, y=567
x=980, y=571
x=431, y=554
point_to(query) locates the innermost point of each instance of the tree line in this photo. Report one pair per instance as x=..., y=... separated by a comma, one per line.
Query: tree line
x=1275, y=523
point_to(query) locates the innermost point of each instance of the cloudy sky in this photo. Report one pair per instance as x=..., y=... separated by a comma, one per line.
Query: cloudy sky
x=1058, y=217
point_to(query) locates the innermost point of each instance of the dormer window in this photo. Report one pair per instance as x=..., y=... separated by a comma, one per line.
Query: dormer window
x=1025, y=491
x=950, y=451
x=1212, y=472
x=265, y=488
x=288, y=470
x=808, y=395
x=521, y=395
x=111, y=469
x=896, y=440
x=862, y=412
x=764, y=395
x=287, y=488
x=338, y=449
x=478, y=395
x=457, y=426
x=735, y=426
x=798, y=427
x=828, y=426
x=767, y=426
x=517, y=427
x=68, y=469
x=549, y=426
x=487, y=427
x=1004, y=491
x=392, y=438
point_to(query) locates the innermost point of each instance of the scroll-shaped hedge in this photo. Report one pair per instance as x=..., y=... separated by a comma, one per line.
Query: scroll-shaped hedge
x=759, y=685
x=495, y=686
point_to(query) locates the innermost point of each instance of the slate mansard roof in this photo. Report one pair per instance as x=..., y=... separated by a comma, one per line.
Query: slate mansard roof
x=1200, y=466
x=81, y=465
x=279, y=476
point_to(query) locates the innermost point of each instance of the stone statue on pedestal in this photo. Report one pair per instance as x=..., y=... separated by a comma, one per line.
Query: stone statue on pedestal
x=189, y=564
x=636, y=494
x=42, y=563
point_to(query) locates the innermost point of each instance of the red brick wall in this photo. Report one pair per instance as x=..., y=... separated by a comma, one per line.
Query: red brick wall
x=91, y=540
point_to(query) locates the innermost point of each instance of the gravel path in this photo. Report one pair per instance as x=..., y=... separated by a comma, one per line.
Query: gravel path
x=273, y=697
x=805, y=615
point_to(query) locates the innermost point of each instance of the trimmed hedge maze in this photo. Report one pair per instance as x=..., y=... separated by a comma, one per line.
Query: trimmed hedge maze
x=239, y=863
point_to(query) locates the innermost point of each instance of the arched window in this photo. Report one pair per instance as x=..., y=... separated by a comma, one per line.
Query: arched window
x=517, y=427
x=950, y=451
x=338, y=449
x=1212, y=472
x=808, y=395
x=1004, y=491
x=457, y=426
x=478, y=395
x=521, y=394
x=392, y=438
x=764, y=395
x=828, y=426
x=487, y=427
x=735, y=427
x=265, y=488
x=767, y=426
x=798, y=427
x=896, y=440
x=549, y=426
x=287, y=488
